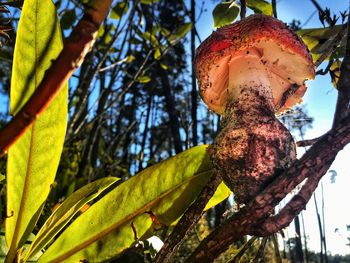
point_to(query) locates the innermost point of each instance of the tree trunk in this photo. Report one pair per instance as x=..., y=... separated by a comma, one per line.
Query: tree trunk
x=298, y=244
x=145, y=132
x=305, y=239
x=194, y=94
x=82, y=95
x=319, y=228
x=90, y=153
x=172, y=113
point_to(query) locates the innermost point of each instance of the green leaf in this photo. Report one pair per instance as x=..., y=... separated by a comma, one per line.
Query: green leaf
x=334, y=72
x=164, y=66
x=119, y=10
x=157, y=54
x=65, y=212
x=164, y=32
x=225, y=13
x=221, y=193
x=144, y=79
x=68, y=18
x=101, y=31
x=319, y=39
x=181, y=32
x=148, y=2
x=3, y=246
x=4, y=249
x=150, y=38
x=158, y=195
x=33, y=159
x=2, y=178
x=260, y=7
x=130, y=58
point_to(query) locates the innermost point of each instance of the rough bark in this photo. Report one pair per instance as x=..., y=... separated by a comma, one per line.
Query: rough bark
x=254, y=217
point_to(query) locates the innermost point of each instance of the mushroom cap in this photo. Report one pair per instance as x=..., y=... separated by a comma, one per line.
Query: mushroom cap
x=280, y=49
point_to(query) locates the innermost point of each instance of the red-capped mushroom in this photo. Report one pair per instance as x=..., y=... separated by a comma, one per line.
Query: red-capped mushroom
x=244, y=72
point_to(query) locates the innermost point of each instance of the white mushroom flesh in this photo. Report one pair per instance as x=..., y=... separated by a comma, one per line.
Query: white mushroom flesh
x=265, y=63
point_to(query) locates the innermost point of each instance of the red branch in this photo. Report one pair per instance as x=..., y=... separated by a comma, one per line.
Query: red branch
x=72, y=55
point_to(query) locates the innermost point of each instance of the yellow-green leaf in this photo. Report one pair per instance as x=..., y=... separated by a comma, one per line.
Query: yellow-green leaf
x=319, y=39
x=260, y=6
x=148, y=2
x=158, y=195
x=65, y=212
x=33, y=160
x=150, y=38
x=119, y=10
x=130, y=58
x=225, y=13
x=144, y=79
x=221, y=193
x=335, y=72
x=180, y=33
x=164, y=66
x=157, y=53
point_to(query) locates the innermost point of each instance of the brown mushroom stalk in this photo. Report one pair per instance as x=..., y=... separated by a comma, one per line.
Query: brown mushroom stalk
x=244, y=71
x=252, y=145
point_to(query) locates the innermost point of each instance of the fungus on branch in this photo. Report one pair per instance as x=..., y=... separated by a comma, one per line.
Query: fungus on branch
x=244, y=71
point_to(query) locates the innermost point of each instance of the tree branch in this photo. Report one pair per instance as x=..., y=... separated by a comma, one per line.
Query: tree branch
x=343, y=85
x=275, y=223
x=314, y=163
x=332, y=47
x=305, y=143
x=243, y=8
x=274, y=8
x=72, y=55
x=187, y=221
x=322, y=12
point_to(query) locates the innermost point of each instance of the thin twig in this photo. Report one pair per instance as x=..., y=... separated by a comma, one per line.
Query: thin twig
x=332, y=47
x=321, y=11
x=243, y=249
x=187, y=221
x=72, y=55
x=91, y=73
x=326, y=69
x=260, y=255
x=276, y=248
x=274, y=8
x=243, y=8
x=188, y=13
x=305, y=143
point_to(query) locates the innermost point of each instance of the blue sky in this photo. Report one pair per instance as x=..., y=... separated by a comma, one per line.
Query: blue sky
x=320, y=102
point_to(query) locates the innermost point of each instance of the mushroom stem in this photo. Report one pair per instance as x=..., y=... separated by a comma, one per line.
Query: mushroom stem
x=253, y=145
